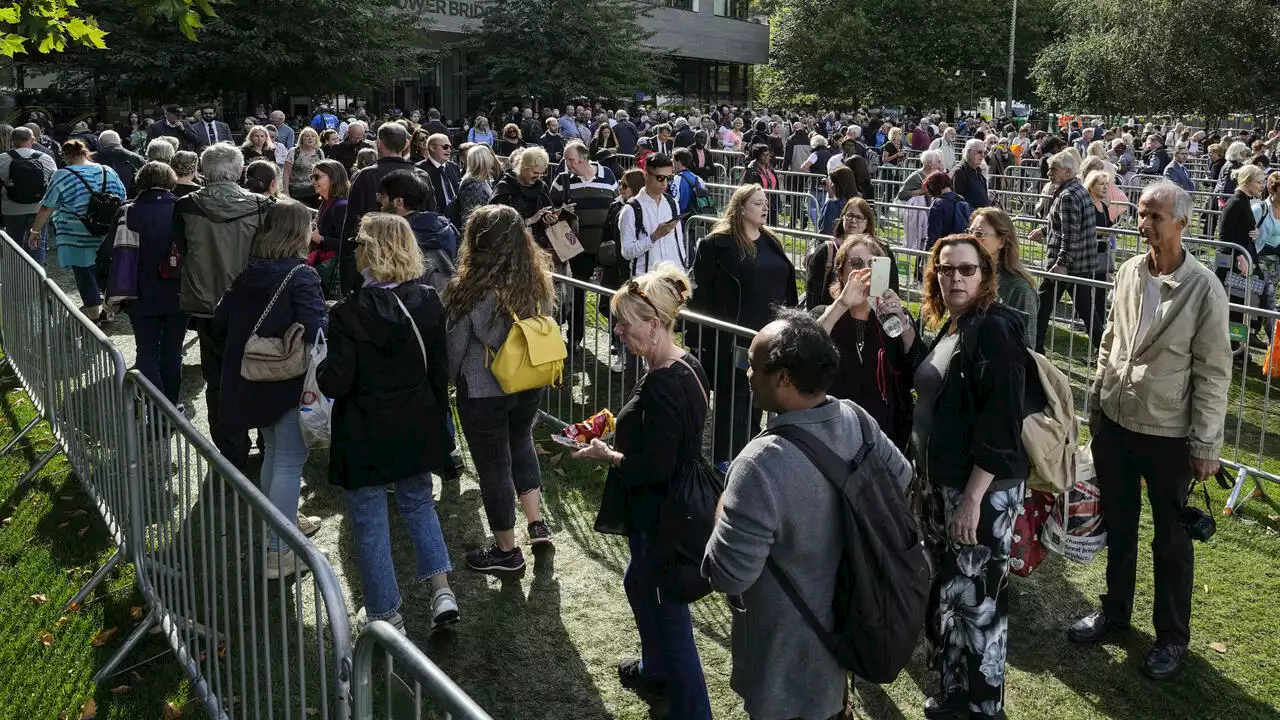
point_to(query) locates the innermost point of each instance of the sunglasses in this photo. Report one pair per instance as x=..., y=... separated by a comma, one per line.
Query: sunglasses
x=856, y=263
x=443, y=147
x=662, y=178
x=633, y=287
x=965, y=270
x=316, y=176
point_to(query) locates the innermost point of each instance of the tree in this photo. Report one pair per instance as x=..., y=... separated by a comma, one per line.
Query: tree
x=927, y=54
x=297, y=46
x=50, y=26
x=1162, y=56
x=556, y=50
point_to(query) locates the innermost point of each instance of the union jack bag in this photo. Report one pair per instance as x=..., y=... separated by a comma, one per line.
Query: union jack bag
x=1075, y=529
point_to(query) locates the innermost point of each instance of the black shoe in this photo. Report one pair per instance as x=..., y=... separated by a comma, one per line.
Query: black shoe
x=633, y=679
x=946, y=707
x=983, y=716
x=1164, y=661
x=1093, y=627
x=491, y=558
x=539, y=533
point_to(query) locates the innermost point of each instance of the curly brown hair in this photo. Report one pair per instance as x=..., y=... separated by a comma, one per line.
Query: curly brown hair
x=498, y=255
x=934, y=309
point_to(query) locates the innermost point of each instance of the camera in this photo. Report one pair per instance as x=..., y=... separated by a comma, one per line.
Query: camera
x=1200, y=524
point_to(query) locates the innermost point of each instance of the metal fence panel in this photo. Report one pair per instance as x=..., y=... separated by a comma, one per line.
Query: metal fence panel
x=427, y=686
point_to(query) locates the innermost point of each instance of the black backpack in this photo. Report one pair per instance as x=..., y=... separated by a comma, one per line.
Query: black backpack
x=27, y=183
x=101, y=211
x=882, y=580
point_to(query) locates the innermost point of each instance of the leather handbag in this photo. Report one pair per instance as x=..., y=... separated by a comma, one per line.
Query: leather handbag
x=270, y=359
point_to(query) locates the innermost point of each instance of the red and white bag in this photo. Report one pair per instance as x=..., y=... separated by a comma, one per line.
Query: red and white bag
x=1028, y=552
x=1075, y=529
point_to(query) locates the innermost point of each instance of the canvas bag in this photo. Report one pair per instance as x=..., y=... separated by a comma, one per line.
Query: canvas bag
x=531, y=357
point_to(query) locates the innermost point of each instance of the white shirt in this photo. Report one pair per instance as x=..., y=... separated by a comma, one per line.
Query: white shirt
x=948, y=150
x=834, y=162
x=642, y=249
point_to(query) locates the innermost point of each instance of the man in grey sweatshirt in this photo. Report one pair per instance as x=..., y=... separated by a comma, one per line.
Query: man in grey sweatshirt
x=777, y=504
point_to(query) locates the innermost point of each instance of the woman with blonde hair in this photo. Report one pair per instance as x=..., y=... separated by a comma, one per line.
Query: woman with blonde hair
x=1015, y=286
x=275, y=290
x=302, y=159
x=387, y=372
x=893, y=153
x=525, y=188
x=480, y=132
x=477, y=183
x=742, y=275
x=658, y=439
x=257, y=145
x=502, y=274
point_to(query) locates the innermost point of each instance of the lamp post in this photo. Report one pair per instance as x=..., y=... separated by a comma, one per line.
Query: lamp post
x=1008, y=88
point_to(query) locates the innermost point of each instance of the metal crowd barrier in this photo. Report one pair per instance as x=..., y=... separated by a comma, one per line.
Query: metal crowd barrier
x=192, y=525
x=798, y=208
x=425, y=677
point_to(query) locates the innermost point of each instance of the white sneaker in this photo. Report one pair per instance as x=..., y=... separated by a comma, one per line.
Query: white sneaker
x=444, y=608
x=362, y=620
x=308, y=524
x=282, y=565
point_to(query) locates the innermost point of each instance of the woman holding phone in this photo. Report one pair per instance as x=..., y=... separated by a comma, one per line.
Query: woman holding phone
x=524, y=188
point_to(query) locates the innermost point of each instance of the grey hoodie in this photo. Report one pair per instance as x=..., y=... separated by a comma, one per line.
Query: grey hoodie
x=214, y=228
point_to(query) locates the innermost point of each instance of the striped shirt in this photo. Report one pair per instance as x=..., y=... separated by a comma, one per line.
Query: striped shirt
x=68, y=197
x=591, y=198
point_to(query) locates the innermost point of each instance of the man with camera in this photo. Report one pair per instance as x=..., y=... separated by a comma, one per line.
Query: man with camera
x=1157, y=411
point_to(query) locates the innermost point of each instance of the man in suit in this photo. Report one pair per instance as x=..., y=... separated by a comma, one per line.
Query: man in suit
x=445, y=177
x=393, y=140
x=684, y=134
x=175, y=125
x=210, y=129
x=433, y=124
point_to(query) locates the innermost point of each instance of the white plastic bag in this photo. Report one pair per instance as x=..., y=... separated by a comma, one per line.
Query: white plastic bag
x=314, y=409
x=1075, y=528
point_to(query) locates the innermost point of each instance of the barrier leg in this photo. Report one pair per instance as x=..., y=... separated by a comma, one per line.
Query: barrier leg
x=18, y=438
x=35, y=469
x=1235, y=500
x=96, y=580
x=109, y=668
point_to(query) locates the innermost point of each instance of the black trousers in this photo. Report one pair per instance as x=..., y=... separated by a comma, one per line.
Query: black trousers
x=736, y=418
x=1090, y=304
x=233, y=444
x=1124, y=458
x=581, y=267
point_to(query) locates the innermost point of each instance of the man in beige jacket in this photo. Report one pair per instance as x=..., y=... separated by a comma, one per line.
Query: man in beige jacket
x=1157, y=410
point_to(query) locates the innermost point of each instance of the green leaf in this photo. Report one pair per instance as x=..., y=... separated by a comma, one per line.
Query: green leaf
x=12, y=44
x=11, y=15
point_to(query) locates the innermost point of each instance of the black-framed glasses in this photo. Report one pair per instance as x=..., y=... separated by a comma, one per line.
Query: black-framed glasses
x=965, y=270
x=854, y=216
x=633, y=287
x=445, y=147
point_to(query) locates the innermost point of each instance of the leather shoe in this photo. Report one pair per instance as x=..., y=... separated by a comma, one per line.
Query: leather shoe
x=1164, y=661
x=1093, y=627
x=946, y=707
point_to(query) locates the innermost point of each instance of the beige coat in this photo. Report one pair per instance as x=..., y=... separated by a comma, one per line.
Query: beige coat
x=1174, y=382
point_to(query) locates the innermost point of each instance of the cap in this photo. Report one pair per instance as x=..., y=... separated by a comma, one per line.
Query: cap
x=174, y=109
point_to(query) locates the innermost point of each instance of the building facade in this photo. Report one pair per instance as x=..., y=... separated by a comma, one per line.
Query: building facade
x=714, y=43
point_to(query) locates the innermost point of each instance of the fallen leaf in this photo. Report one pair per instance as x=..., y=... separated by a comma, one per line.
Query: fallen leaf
x=104, y=637
x=83, y=530
x=73, y=607
x=62, y=525
x=558, y=471
x=452, y=516
x=89, y=710
x=76, y=513
x=539, y=450
x=6, y=521
x=46, y=637
x=62, y=621
x=171, y=712
x=62, y=715
x=1218, y=648
x=137, y=611
x=556, y=460
x=120, y=690
x=39, y=599
x=312, y=712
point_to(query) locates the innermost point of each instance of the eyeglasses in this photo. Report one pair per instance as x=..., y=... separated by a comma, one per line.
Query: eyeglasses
x=662, y=178
x=855, y=216
x=316, y=176
x=966, y=270
x=633, y=287
x=443, y=147
x=980, y=234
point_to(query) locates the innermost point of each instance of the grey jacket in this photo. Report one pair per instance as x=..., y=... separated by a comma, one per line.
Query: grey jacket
x=776, y=504
x=468, y=340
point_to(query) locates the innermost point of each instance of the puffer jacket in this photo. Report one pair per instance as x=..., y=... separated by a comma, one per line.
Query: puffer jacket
x=1172, y=382
x=214, y=227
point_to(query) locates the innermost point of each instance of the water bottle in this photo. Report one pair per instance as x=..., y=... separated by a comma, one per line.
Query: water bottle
x=890, y=323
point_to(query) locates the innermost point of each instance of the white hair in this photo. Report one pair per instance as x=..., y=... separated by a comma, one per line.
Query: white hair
x=1179, y=199
x=109, y=138
x=1238, y=152
x=161, y=150
x=931, y=157
x=620, y=115
x=817, y=140
x=1064, y=160
x=974, y=144
x=357, y=124
x=222, y=162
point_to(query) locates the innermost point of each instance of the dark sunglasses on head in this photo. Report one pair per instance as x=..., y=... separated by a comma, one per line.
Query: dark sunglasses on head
x=966, y=270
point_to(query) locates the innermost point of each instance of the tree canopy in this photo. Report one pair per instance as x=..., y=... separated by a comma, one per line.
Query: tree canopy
x=296, y=46
x=49, y=26
x=554, y=50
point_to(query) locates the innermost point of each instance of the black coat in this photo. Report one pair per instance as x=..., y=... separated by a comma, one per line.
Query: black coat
x=362, y=200
x=627, y=135
x=446, y=174
x=723, y=281
x=126, y=164
x=1237, y=222
x=684, y=137
x=389, y=415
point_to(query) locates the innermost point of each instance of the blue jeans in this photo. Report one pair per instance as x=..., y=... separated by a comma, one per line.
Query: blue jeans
x=367, y=509
x=87, y=285
x=283, y=455
x=159, y=339
x=667, y=649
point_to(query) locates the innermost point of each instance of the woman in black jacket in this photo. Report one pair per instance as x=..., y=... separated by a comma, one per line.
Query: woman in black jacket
x=1237, y=225
x=742, y=275
x=387, y=372
x=659, y=436
x=704, y=165
x=330, y=181
x=968, y=448
x=525, y=188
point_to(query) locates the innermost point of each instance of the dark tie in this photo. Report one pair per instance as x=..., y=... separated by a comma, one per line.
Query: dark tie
x=213, y=133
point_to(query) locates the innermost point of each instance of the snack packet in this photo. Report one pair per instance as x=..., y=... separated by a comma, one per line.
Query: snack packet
x=596, y=426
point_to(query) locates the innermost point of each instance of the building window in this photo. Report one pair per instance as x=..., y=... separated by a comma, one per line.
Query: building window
x=736, y=9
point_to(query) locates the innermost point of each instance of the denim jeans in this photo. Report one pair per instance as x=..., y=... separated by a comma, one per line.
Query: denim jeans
x=499, y=431
x=667, y=649
x=159, y=339
x=19, y=228
x=283, y=455
x=367, y=508
x=87, y=285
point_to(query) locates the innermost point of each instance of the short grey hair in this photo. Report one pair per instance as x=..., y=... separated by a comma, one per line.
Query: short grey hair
x=974, y=144
x=222, y=162
x=817, y=140
x=621, y=115
x=160, y=150
x=276, y=115
x=931, y=157
x=1237, y=152
x=1064, y=160
x=357, y=124
x=1179, y=199
x=108, y=138
x=22, y=134
x=579, y=149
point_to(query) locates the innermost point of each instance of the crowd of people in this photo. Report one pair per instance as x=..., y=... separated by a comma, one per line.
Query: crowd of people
x=412, y=260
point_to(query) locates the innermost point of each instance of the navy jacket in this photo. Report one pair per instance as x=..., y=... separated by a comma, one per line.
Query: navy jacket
x=434, y=232
x=627, y=136
x=151, y=216
x=244, y=404
x=329, y=223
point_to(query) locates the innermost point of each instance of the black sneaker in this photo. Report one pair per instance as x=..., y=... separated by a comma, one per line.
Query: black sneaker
x=539, y=533
x=632, y=678
x=490, y=558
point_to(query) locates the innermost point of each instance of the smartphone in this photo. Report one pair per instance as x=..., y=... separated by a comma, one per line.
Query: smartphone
x=568, y=442
x=880, y=268
x=688, y=214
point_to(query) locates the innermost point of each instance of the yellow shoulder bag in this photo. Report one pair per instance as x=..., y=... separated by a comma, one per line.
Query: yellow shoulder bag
x=531, y=357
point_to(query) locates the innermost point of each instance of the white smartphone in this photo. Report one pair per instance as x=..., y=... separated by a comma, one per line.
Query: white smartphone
x=880, y=269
